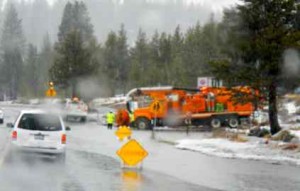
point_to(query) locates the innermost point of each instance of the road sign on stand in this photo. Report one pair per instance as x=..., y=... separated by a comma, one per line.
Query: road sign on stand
x=156, y=107
x=51, y=92
x=132, y=153
x=123, y=132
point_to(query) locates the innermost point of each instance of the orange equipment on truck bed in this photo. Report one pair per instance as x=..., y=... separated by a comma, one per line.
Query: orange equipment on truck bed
x=212, y=106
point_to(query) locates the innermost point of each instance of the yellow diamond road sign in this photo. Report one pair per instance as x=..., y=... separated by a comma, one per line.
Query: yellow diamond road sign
x=123, y=132
x=51, y=92
x=132, y=153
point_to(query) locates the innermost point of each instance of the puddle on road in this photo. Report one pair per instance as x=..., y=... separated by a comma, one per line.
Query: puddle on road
x=35, y=173
x=84, y=171
x=131, y=180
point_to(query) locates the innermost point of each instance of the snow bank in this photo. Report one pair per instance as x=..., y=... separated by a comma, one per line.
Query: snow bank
x=260, y=117
x=219, y=147
x=109, y=101
x=290, y=107
x=6, y=102
x=228, y=149
x=295, y=133
x=164, y=128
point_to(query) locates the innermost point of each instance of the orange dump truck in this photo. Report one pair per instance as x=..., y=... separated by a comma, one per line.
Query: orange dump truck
x=172, y=106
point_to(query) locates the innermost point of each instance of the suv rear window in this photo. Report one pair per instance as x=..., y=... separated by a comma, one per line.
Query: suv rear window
x=40, y=122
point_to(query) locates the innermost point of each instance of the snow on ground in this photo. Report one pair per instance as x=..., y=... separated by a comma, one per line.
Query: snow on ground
x=109, y=100
x=253, y=150
x=295, y=133
x=214, y=172
x=290, y=107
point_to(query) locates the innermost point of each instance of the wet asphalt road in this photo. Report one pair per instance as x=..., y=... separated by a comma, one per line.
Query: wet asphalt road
x=90, y=166
x=83, y=171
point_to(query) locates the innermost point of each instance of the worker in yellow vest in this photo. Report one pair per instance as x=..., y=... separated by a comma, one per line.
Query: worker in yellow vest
x=110, y=119
x=131, y=116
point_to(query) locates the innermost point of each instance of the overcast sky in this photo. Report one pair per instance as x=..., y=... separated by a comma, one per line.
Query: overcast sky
x=216, y=5
x=150, y=18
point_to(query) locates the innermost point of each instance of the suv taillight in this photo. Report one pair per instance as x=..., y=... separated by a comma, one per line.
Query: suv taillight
x=63, y=139
x=14, y=135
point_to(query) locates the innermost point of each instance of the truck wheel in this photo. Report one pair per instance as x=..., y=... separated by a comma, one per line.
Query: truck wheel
x=142, y=123
x=233, y=122
x=215, y=123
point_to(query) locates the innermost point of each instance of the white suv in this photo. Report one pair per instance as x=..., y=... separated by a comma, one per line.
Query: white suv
x=40, y=132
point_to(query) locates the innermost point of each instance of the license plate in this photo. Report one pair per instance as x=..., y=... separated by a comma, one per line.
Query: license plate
x=39, y=137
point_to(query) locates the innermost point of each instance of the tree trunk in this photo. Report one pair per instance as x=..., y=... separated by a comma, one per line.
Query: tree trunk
x=74, y=88
x=273, y=109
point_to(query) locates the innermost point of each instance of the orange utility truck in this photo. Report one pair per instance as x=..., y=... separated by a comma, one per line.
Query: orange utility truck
x=171, y=106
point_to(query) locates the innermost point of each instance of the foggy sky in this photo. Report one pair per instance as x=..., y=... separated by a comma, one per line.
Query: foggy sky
x=108, y=15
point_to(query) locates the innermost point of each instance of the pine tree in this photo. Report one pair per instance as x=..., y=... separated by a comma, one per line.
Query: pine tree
x=12, y=46
x=75, y=17
x=116, y=61
x=46, y=59
x=32, y=72
x=74, y=62
x=110, y=66
x=178, y=72
x=123, y=60
x=262, y=30
x=155, y=73
x=193, y=55
x=165, y=58
x=75, y=48
x=139, y=61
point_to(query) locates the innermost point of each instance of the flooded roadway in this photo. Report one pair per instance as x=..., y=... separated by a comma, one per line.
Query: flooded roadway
x=83, y=171
x=92, y=164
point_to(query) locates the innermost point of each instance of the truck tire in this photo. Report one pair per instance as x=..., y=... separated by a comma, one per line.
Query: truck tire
x=142, y=123
x=233, y=122
x=215, y=123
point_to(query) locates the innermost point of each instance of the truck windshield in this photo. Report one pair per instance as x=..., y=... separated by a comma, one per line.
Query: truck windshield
x=140, y=102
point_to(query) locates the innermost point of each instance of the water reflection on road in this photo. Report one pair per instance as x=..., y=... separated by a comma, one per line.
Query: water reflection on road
x=82, y=171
